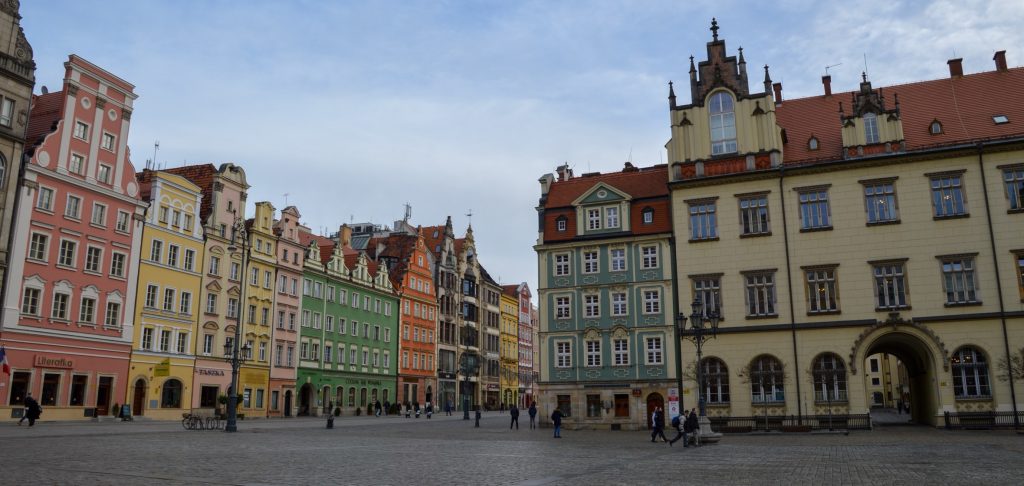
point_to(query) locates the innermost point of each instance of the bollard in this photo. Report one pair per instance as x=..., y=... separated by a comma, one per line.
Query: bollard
x=330, y=421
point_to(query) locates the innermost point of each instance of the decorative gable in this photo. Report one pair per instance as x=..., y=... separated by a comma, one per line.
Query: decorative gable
x=871, y=127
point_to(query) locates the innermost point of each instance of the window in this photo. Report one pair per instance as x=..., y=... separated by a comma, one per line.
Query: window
x=165, y=340
x=592, y=305
x=185, y=306
x=649, y=257
x=187, y=225
x=618, y=258
x=829, y=378
x=935, y=128
x=716, y=381
x=37, y=247
x=304, y=350
x=235, y=272
x=703, y=223
x=76, y=163
x=268, y=281
x=652, y=302
x=45, y=199
x=6, y=116
x=594, y=219
x=760, y=294
x=560, y=223
x=117, y=261
x=562, y=265
x=1018, y=258
x=563, y=354
x=880, y=202
x=648, y=215
x=60, y=306
x=590, y=262
x=181, y=344
x=948, y=196
x=247, y=398
x=169, y=300
x=593, y=405
x=172, y=255
x=723, y=124
x=327, y=353
x=822, y=294
x=74, y=207
x=78, y=383
x=156, y=250
x=890, y=285
x=113, y=315
x=108, y=142
x=214, y=266
x=151, y=294
x=1013, y=179
x=594, y=353
x=619, y=304
x=263, y=351
x=122, y=221
x=870, y=128
x=620, y=351
x=164, y=210
x=254, y=277
x=81, y=130
x=754, y=215
x=67, y=253
x=147, y=338
x=655, y=354
x=104, y=174
x=708, y=289
x=51, y=386
x=970, y=374
x=190, y=260
x=814, y=209
x=30, y=301
x=812, y=144
x=328, y=322
x=562, y=308
x=207, y=344
x=564, y=403
x=93, y=259
x=611, y=217
x=958, y=280
x=766, y=380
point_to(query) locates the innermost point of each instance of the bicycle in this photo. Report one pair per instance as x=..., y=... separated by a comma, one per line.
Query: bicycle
x=192, y=422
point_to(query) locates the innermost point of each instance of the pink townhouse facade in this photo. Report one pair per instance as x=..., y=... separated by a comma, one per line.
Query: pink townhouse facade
x=68, y=315
x=527, y=381
x=287, y=307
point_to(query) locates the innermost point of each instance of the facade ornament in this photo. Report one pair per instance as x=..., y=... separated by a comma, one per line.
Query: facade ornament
x=72, y=90
x=714, y=29
x=897, y=323
x=100, y=103
x=126, y=114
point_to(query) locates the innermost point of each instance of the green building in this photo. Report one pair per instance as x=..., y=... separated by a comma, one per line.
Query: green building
x=348, y=343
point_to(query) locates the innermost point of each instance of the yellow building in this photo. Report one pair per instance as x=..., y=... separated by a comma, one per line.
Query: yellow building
x=167, y=310
x=258, y=307
x=510, y=344
x=832, y=228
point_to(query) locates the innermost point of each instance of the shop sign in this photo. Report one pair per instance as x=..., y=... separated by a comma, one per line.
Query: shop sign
x=162, y=368
x=445, y=375
x=637, y=392
x=491, y=387
x=47, y=362
x=673, y=402
x=210, y=372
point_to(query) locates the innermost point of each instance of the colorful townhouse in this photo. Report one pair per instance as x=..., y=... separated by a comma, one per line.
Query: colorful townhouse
x=167, y=307
x=509, y=345
x=287, y=305
x=260, y=273
x=440, y=240
x=17, y=77
x=69, y=308
x=410, y=265
x=349, y=329
x=221, y=208
x=606, y=303
x=490, y=340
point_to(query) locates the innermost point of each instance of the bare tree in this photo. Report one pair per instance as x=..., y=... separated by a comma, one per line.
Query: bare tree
x=1014, y=366
x=769, y=375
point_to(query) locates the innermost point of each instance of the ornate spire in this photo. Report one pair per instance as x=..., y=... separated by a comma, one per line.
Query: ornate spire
x=767, y=80
x=742, y=61
x=693, y=70
x=671, y=96
x=714, y=30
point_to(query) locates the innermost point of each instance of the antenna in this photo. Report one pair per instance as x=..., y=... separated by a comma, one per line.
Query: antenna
x=286, y=199
x=470, y=216
x=408, y=212
x=630, y=159
x=156, y=146
x=831, y=66
x=865, y=63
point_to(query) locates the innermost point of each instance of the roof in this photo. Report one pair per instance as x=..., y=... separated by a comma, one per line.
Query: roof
x=638, y=183
x=964, y=105
x=325, y=244
x=45, y=113
x=397, y=246
x=202, y=176
x=432, y=241
x=510, y=290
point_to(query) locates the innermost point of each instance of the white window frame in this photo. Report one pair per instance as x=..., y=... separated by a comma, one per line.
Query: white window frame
x=563, y=354
x=655, y=350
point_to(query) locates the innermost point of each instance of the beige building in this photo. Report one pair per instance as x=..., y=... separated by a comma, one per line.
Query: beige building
x=832, y=228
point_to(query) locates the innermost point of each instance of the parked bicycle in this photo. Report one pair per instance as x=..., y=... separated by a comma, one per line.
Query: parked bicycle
x=191, y=421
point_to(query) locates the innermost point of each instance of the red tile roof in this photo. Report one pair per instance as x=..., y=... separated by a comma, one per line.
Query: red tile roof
x=963, y=105
x=642, y=183
x=431, y=241
x=202, y=176
x=45, y=113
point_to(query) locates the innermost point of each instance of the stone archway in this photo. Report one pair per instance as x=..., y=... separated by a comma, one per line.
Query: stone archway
x=654, y=401
x=923, y=357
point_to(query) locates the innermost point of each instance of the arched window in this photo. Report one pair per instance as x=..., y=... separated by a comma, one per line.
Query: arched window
x=970, y=374
x=935, y=128
x=870, y=128
x=812, y=144
x=766, y=380
x=716, y=380
x=171, y=394
x=829, y=378
x=352, y=396
x=723, y=124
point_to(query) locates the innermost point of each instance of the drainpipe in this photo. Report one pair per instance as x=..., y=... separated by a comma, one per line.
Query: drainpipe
x=789, y=285
x=999, y=285
x=675, y=317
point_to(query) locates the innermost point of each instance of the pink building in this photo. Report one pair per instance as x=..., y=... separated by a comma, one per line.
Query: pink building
x=67, y=315
x=527, y=380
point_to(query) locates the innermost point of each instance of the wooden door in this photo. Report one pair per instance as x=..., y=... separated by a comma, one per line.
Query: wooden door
x=139, y=398
x=103, y=396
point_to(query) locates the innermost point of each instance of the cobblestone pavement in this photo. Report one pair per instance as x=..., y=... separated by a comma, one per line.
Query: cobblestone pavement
x=447, y=450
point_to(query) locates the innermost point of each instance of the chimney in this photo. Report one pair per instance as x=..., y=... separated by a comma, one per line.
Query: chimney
x=826, y=80
x=778, y=92
x=1000, y=59
x=345, y=236
x=562, y=170
x=956, y=69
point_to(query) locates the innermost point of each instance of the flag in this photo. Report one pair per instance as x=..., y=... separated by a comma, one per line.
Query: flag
x=3, y=361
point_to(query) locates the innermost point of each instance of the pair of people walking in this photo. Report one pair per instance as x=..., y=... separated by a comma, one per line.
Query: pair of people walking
x=686, y=427
x=658, y=425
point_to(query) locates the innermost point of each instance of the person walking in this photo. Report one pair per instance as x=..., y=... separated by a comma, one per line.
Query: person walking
x=376, y=407
x=556, y=420
x=679, y=422
x=533, y=415
x=514, y=412
x=448, y=408
x=691, y=426
x=32, y=410
x=24, y=411
x=658, y=424
x=387, y=405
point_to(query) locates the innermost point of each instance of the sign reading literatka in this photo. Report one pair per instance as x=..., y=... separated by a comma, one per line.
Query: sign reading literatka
x=47, y=362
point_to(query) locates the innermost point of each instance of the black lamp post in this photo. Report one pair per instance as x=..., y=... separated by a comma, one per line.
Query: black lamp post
x=703, y=326
x=234, y=352
x=468, y=367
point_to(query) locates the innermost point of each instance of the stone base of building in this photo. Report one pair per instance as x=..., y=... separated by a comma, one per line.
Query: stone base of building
x=609, y=406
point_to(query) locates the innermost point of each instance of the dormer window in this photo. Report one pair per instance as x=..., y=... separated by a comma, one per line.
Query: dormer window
x=611, y=217
x=870, y=128
x=812, y=144
x=560, y=223
x=935, y=128
x=1000, y=119
x=594, y=219
x=648, y=215
x=723, y=124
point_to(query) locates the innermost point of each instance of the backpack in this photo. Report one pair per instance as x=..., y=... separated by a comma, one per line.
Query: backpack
x=675, y=421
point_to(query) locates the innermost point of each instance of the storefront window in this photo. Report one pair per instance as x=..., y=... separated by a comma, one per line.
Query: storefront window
x=208, y=396
x=593, y=405
x=19, y=387
x=171, y=395
x=51, y=383
x=565, y=405
x=78, y=383
x=247, y=398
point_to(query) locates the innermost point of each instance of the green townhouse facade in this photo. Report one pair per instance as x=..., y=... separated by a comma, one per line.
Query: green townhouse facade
x=348, y=342
x=605, y=296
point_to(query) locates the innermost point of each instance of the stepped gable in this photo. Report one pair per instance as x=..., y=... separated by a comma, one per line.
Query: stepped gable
x=45, y=113
x=201, y=175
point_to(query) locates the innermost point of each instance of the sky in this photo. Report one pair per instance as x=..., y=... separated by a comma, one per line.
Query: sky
x=354, y=109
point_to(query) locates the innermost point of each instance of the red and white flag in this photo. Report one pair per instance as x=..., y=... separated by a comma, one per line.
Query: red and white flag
x=3, y=361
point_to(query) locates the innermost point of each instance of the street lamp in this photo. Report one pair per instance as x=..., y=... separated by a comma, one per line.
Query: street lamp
x=233, y=351
x=468, y=367
x=703, y=326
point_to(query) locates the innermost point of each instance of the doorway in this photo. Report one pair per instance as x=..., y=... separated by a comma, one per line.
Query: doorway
x=899, y=380
x=103, y=395
x=139, y=397
x=288, y=403
x=654, y=401
x=305, y=400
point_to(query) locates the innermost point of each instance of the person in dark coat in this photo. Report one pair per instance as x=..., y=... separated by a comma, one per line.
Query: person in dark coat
x=32, y=410
x=514, y=412
x=387, y=406
x=448, y=408
x=556, y=419
x=658, y=425
x=691, y=427
x=533, y=415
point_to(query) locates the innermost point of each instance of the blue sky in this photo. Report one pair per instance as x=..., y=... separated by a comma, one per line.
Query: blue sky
x=355, y=108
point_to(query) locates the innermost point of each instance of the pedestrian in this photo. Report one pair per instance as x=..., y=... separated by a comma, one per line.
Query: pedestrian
x=32, y=410
x=533, y=415
x=430, y=409
x=514, y=412
x=387, y=406
x=556, y=420
x=679, y=422
x=658, y=424
x=408, y=409
x=448, y=408
x=24, y=412
x=691, y=426
x=416, y=407
x=376, y=407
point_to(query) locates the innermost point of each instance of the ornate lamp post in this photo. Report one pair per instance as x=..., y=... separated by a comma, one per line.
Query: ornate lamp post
x=468, y=367
x=233, y=351
x=703, y=326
